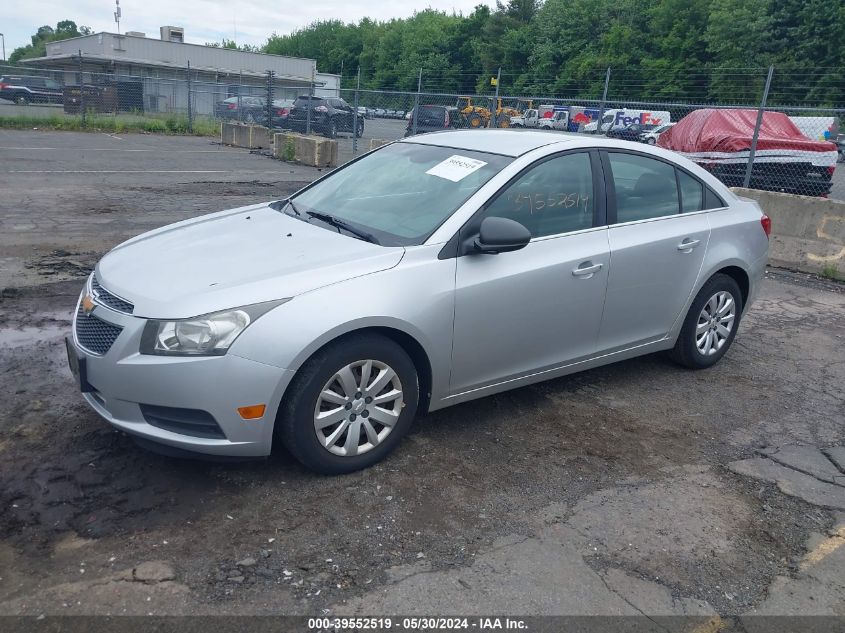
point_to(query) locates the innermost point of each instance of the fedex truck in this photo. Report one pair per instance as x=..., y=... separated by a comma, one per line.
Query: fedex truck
x=616, y=119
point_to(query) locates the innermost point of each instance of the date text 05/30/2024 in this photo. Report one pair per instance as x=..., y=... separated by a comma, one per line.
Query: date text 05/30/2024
x=336, y=625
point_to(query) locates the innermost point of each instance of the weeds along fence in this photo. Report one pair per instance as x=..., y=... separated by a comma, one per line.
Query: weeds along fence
x=601, y=101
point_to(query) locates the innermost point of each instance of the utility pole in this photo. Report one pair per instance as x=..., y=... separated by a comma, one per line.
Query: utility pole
x=496, y=105
x=117, y=14
x=3, y=37
x=356, y=115
x=416, y=113
x=603, y=100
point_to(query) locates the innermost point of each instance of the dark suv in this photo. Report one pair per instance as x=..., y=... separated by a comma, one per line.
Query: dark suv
x=329, y=115
x=433, y=118
x=24, y=90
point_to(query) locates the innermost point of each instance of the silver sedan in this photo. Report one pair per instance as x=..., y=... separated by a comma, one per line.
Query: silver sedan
x=434, y=270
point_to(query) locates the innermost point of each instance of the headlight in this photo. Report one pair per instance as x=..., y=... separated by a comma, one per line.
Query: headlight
x=207, y=335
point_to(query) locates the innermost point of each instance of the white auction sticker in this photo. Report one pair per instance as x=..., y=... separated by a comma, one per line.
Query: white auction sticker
x=456, y=167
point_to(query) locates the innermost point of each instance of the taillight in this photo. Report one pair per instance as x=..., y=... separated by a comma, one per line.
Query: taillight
x=766, y=223
x=3, y=86
x=321, y=109
x=232, y=106
x=830, y=169
x=281, y=112
x=446, y=119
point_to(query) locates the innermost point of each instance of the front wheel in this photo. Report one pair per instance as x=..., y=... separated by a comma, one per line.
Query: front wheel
x=349, y=405
x=359, y=131
x=331, y=129
x=22, y=100
x=650, y=141
x=710, y=325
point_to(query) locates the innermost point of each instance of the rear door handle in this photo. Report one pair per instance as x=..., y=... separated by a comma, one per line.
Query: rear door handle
x=687, y=245
x=586, y=270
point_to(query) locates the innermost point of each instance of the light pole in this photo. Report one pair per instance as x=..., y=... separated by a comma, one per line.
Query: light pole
x=2, y=37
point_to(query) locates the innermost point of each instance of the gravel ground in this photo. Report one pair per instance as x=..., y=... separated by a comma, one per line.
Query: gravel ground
x=604, y=492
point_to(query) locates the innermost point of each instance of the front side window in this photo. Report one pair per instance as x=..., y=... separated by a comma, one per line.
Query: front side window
x=402, y=192
x=645, y=187
x=554, y=197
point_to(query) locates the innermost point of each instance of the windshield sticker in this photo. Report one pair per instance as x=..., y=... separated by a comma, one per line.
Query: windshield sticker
x=456, y=167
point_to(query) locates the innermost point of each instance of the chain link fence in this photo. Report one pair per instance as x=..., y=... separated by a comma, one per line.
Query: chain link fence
x=749, y=127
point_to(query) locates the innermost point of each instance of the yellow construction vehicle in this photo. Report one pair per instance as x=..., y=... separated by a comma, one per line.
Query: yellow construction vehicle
x=474, y=116
x=514, y=107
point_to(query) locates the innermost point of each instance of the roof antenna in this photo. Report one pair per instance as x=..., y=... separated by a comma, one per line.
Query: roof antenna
x=117, y=14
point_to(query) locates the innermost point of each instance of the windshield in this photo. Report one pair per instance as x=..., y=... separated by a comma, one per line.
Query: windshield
x=402, y=192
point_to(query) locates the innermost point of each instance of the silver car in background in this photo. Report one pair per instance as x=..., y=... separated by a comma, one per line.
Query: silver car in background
x=432, y=271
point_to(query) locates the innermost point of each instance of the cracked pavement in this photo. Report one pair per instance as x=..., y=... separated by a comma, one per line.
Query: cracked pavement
x=637, y=488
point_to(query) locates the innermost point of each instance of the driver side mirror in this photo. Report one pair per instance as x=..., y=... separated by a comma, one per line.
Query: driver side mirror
x=500, y=235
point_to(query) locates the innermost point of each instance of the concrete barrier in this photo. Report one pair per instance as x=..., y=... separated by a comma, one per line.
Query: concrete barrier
x=378, y=142
x=315, y=151
x=248, y=136
x=808, y=234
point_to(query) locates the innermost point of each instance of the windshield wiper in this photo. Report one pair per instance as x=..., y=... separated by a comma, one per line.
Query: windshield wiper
x=341, y=224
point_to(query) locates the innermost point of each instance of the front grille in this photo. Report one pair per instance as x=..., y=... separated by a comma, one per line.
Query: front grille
x=108, y=299
x=193, y=422
x=93, y=334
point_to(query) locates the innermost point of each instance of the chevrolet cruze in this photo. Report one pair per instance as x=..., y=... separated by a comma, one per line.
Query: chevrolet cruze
x=432, y=271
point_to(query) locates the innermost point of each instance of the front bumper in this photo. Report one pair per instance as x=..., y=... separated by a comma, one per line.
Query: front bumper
x=122, y=379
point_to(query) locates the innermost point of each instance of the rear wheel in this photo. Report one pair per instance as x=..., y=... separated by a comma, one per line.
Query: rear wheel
x=710, y=325
x=22, y=100
x=650, y=140
x=504, y=122
x=349, y=405
x=474, y=120
x=359, y=131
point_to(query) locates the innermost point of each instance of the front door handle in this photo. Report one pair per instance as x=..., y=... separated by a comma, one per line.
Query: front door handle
x=687, y=245
x=586, y=270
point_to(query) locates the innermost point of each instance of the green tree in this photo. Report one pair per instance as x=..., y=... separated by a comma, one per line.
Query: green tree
x=65, y=29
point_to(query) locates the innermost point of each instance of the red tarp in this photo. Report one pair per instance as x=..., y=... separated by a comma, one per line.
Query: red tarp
x=711, y=130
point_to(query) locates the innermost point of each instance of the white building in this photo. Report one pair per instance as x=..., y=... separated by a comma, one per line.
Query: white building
x=155, y=71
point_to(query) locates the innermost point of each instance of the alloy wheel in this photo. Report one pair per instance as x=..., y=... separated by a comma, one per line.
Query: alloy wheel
x=358, y=408
x=715, y=323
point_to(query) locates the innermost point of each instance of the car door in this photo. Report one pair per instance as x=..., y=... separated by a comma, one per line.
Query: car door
x=539, y=307
x=658, y=238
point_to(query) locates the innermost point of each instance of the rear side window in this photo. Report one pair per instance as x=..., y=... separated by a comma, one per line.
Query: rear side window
x=692, y=192
x=645, y=188
x=712, y=200
x=554, y=197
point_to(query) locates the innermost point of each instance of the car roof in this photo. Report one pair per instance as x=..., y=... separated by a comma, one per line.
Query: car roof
x=508, y=142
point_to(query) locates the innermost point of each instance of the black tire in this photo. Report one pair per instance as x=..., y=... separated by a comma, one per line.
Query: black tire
x=475, y=121
x=295, y=421
x=686, y=352
x=359, y=131
x=651, y=141
x=22, y=100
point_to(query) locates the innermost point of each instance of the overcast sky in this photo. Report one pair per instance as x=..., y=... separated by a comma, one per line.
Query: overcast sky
x=205, y=20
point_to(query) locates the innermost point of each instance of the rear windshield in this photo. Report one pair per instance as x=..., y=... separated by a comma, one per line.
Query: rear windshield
x=302, y=102
x=432, y=114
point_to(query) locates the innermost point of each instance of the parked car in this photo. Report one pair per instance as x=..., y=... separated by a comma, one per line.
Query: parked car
x=651, y=136
x=434, y=118
x=365, y=112
x=432, y=271
x=631, y=132
x=840, y=146
x=329, y=116
x=24, y=89
x=785, y=159
x=529, y=118
x=243, y=108
x=559, y=120
x=380, y=112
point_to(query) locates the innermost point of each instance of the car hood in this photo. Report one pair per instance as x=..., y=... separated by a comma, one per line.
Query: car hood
x=234, y=258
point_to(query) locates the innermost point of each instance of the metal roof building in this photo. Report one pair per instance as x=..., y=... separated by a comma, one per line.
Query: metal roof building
x=161, y=65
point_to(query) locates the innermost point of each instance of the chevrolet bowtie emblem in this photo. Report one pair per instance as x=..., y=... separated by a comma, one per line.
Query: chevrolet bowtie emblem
x=87, y=304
